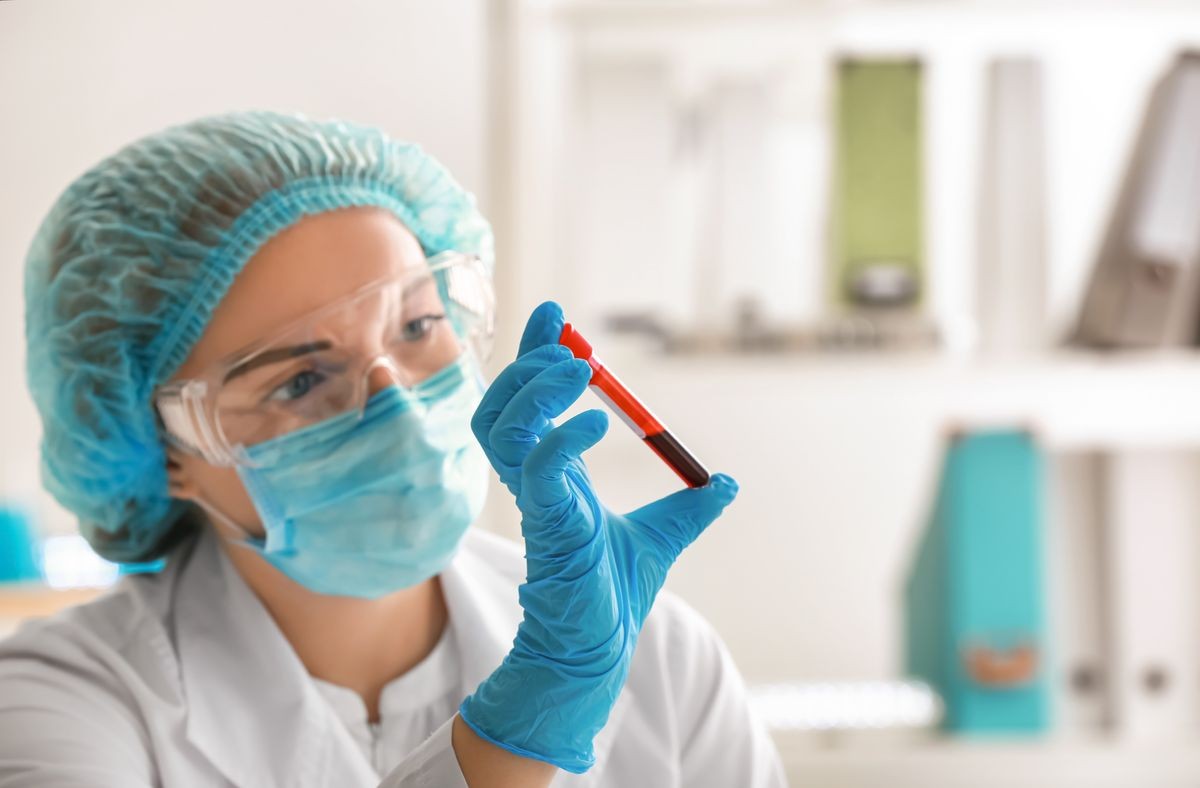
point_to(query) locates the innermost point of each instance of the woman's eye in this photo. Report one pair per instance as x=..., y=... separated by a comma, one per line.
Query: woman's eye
x=420, y=328
x=297, y=386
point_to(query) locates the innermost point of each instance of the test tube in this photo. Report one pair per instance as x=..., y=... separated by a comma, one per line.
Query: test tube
x=639, y=418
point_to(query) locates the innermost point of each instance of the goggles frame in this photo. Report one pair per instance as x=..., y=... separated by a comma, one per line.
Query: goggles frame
x=187, y=409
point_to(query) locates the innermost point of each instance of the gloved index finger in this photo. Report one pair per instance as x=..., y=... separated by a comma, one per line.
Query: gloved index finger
x=511, y=380
x=529, y=413
x=544, y=327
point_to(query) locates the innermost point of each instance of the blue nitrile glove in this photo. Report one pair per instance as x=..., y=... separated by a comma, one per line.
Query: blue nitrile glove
x=592, y=575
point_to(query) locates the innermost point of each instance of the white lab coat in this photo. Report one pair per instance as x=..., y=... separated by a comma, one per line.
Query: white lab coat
x=183, y=679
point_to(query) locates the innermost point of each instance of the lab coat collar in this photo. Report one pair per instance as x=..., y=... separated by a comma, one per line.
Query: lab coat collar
x=483, y=612
x=252, y=709
x=231, y=651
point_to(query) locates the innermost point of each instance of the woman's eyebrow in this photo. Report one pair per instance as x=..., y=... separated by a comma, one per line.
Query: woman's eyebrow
x=416, y=286
x=275, y=355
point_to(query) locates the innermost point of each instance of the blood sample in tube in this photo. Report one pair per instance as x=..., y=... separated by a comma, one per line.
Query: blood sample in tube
x=639, y=418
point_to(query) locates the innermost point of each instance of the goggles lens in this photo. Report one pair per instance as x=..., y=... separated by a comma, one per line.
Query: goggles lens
x=318, y=368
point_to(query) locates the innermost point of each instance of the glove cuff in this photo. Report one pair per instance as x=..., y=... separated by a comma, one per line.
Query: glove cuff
x=576, y=763
x=535, y=710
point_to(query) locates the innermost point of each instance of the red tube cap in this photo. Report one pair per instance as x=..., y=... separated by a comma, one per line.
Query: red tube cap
x=575, y=341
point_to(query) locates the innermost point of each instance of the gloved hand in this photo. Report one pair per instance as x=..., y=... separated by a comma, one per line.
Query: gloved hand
x=592, y=575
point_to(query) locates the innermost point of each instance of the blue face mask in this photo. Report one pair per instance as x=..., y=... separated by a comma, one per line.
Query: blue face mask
x=366, y=507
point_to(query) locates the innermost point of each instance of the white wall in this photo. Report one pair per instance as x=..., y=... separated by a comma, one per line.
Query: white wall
x=78, y=79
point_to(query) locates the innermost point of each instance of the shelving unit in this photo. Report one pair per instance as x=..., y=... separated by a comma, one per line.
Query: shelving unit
x=1072, y=401
x=836, y=452
x=691, y=50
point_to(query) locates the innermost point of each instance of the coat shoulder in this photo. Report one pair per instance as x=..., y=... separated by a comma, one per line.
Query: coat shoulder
x=81, y=681
x=105, y=643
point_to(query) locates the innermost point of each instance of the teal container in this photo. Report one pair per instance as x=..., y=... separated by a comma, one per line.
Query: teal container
x=975, y=604
x=19, y=555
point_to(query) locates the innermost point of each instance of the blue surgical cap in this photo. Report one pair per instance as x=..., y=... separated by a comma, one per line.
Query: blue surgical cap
x=126, y=269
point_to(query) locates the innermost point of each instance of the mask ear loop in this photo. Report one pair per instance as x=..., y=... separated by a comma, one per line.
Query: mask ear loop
x=241, y=537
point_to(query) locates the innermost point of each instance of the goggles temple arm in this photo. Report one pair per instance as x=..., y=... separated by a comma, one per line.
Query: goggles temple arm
x=181, y=413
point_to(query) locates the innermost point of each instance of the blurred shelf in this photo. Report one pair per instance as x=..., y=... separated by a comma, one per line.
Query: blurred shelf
x=1000, y=764
x=22, y=601
x=1069, y=400
x=639, y=10
x=686, y=10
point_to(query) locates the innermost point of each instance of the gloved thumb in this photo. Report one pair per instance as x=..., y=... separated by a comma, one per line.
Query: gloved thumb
x=682, y=516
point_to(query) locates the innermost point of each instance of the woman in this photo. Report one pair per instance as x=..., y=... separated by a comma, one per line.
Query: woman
x=254, y=342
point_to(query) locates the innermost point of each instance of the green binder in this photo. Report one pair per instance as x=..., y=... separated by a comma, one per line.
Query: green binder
x=877, y=209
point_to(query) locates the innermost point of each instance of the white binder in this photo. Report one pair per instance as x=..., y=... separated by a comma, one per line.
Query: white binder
x=1011, y=282
x=1152, y=554
x=1074, y=544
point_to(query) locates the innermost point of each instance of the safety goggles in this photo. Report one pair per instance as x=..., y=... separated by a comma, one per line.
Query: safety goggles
x=317, y=367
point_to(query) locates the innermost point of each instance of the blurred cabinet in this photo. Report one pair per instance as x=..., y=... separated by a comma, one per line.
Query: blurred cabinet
x=23, y=601
x=610, y=212
x=1102, y=635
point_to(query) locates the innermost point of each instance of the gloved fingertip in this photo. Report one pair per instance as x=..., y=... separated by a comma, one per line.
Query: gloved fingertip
x=549, y=317
x=589, y=426
x=542, y=328
x=597, y=421
x=724, y=480
x=572, y=370
x=554, y=352
x=724, y=485
x=550, y=309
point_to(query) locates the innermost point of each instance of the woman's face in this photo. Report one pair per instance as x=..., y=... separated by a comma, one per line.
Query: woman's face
x=313, y=262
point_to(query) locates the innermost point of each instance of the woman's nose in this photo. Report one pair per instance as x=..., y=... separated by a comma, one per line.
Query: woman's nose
x=380, y=376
